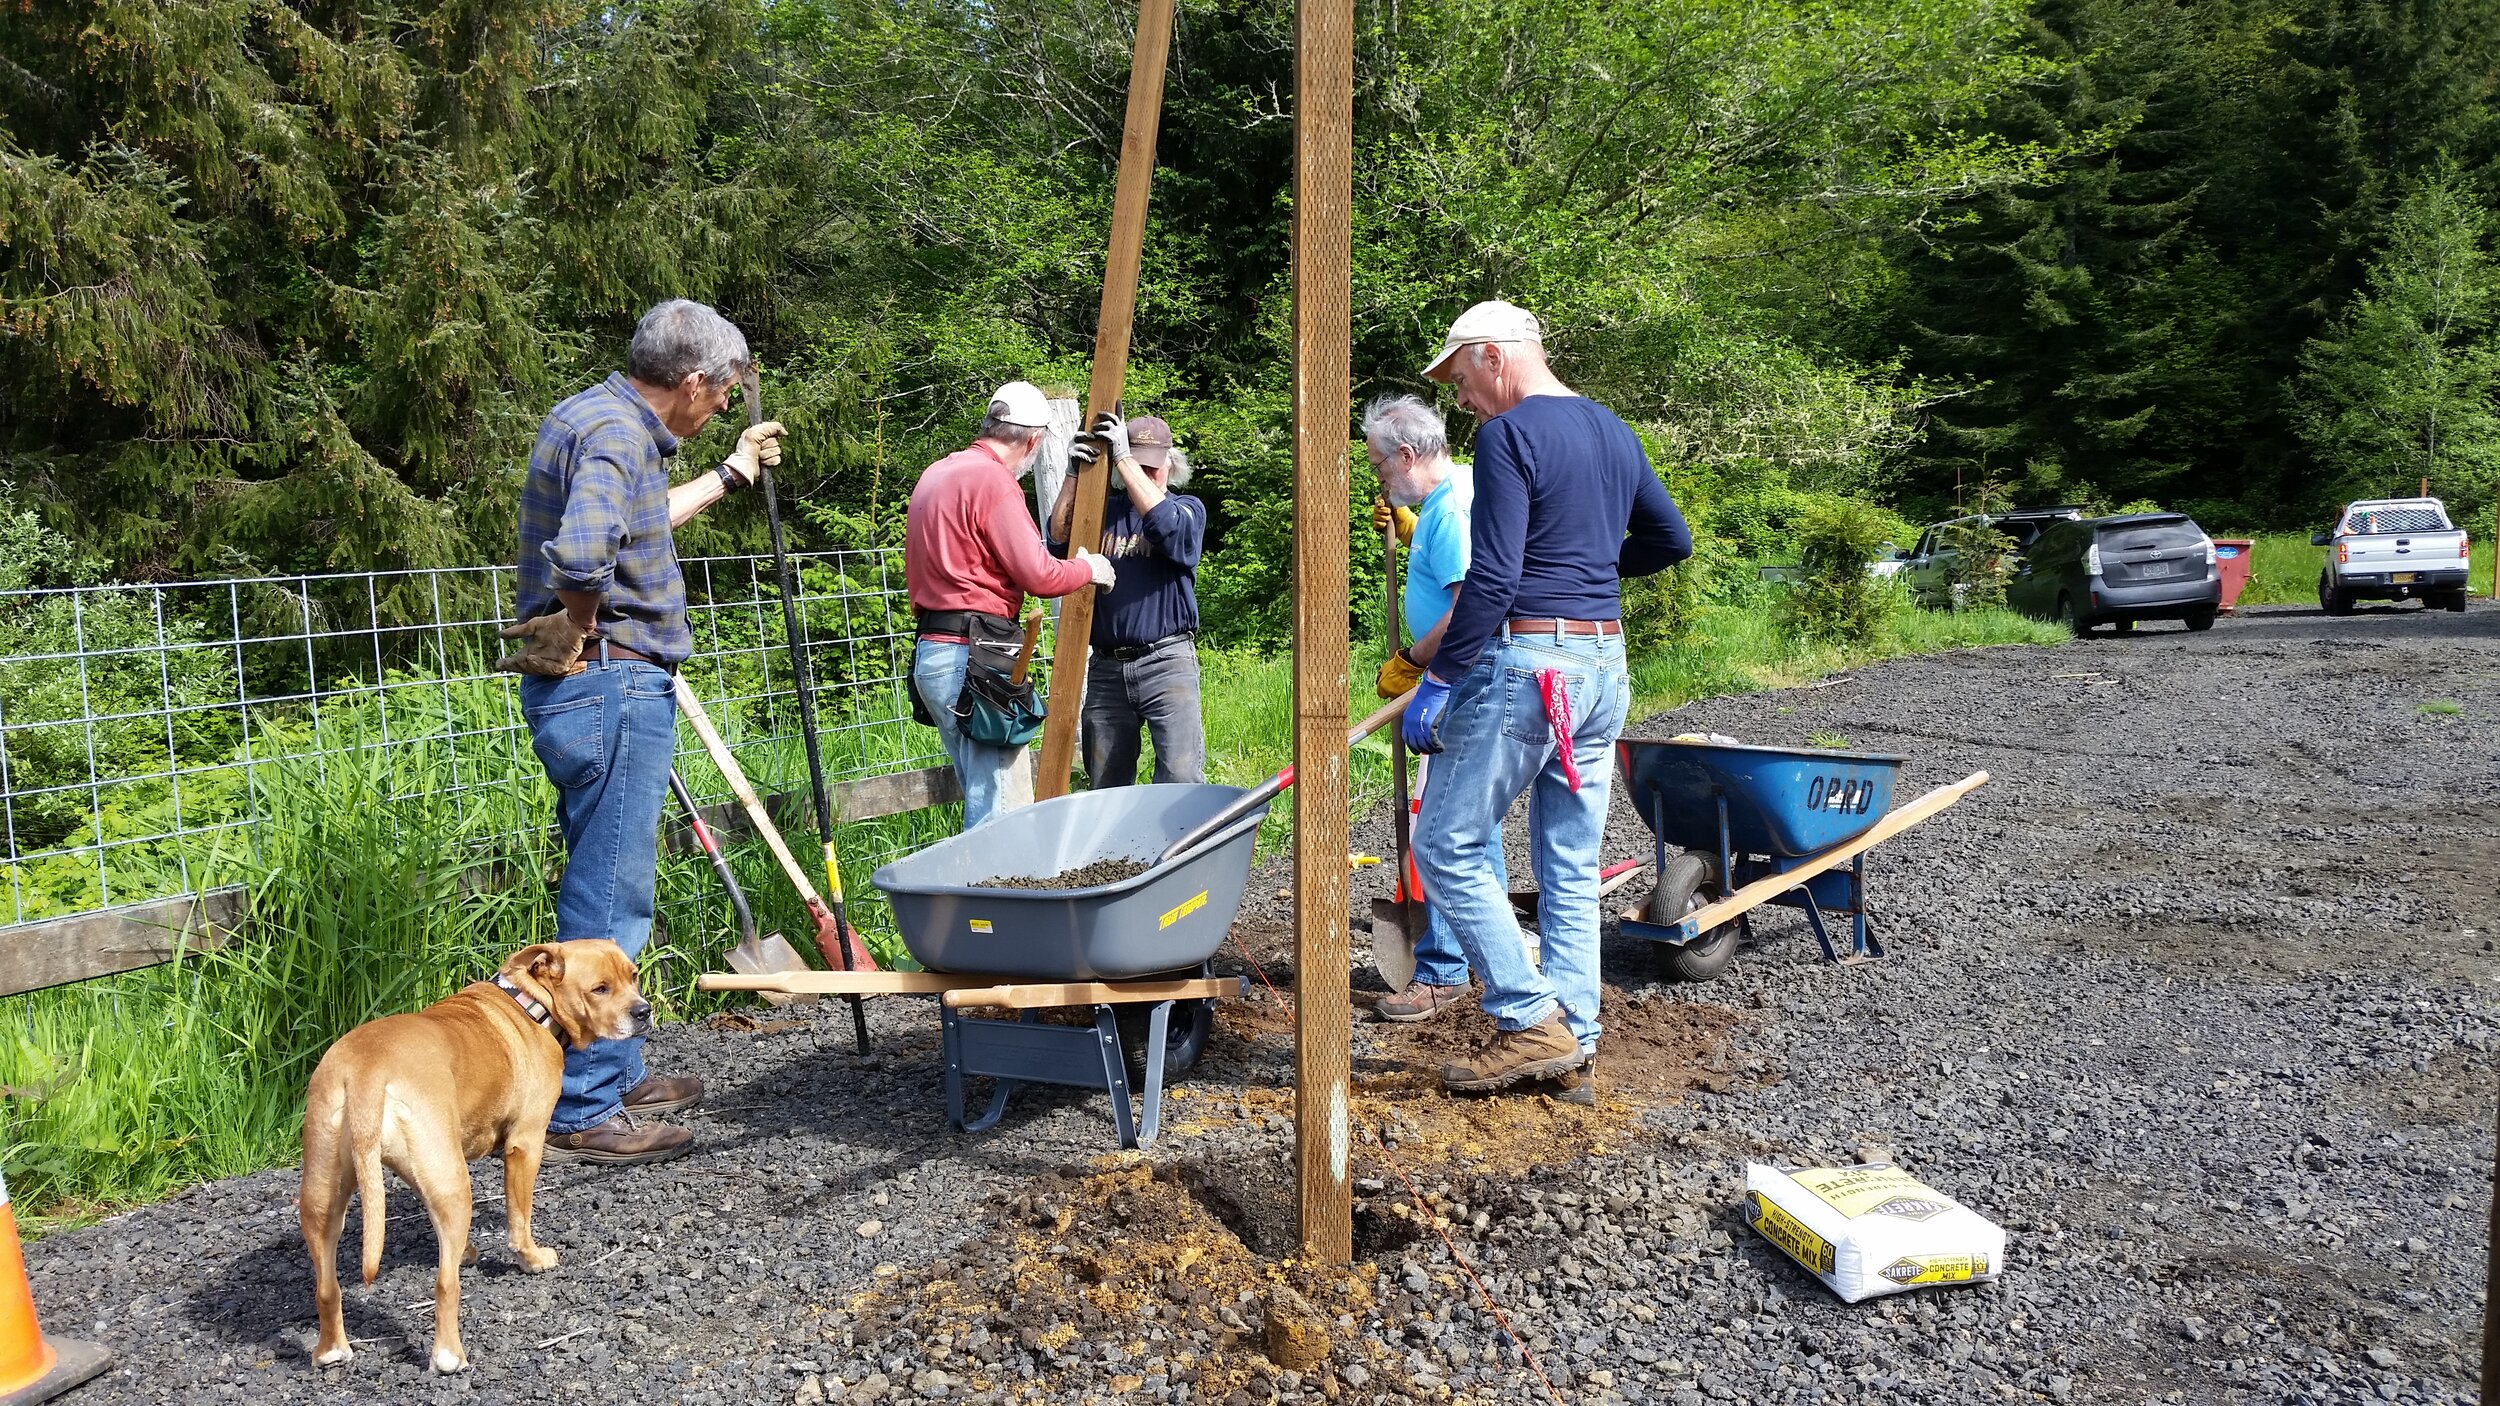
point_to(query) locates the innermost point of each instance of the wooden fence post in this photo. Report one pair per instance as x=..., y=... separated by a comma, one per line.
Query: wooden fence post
x=1323, y=186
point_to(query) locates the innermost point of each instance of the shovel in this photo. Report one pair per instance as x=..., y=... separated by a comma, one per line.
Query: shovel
x=1268, y=790
x=772, y=953
x=750, y=947
x=848, y=948
x=1396, y=919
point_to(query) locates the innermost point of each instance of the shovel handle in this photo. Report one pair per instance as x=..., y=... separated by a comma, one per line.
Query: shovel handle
x=718, y=750
x=1267, y=790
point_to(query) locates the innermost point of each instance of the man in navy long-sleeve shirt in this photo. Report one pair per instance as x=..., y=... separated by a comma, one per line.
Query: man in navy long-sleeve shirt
x=1530, y=689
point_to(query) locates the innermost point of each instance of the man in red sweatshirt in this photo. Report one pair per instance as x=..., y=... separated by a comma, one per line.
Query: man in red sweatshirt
x=971, y=553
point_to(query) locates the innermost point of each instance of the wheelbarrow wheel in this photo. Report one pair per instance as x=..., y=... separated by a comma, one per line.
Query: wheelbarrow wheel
x=1184, y=1036
x=1684, y=885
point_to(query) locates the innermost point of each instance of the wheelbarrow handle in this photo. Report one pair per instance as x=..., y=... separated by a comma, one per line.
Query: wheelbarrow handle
x=1268, y=790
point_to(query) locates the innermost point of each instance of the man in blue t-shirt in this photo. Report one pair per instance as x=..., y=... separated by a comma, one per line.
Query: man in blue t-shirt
x=1410, y=452
x=1530, y=662
x=1144, y=669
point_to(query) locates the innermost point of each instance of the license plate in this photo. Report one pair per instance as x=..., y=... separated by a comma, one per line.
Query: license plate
x=2402, y=577
x=2153, y=568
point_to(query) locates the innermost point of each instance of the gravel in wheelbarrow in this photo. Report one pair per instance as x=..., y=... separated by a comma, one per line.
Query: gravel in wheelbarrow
x=954, y=916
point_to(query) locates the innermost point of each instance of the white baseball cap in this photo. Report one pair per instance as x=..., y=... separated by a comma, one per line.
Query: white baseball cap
x=1021, y=403
x=1495, y=321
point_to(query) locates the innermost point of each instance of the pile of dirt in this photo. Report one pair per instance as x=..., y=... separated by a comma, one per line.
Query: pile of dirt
x=1125, y=1278
x=1653, y=1048
x=1084, y=876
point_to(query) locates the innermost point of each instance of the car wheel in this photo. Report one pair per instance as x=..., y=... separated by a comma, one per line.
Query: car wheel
x=2455, y=601
x=2122, y=626
x=2200, y=619
x=1684, y=885
x=2075, y=624
x=2331, y=600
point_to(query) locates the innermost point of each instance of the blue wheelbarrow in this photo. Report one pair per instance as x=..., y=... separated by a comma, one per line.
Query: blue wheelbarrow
x=1757, y=825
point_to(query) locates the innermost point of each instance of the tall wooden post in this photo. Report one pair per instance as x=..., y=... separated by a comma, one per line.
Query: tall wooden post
x=1323, y=199
x=1119, y=310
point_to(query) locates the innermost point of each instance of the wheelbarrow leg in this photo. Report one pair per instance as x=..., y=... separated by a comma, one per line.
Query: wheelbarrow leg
x=1822, y=934
x=1115, y=1073
x=1869, y=947
x=1150, y=1111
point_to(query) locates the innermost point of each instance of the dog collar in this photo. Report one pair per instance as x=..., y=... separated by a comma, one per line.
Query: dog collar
x=530, y=1005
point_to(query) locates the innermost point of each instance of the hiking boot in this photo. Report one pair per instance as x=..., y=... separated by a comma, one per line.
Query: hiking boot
x=1420, y=1001
x=1542, y=1051
x=1578, y=1088
x=620, y=1142
x=661, y=1093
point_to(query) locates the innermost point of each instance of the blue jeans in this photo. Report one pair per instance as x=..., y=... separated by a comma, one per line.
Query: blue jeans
x=606, y=737
x=937, y=670
x=1439, y=960
x=1497, y=743
x=1158, y=690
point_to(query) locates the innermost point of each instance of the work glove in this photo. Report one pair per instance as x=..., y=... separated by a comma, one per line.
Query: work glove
x=1084, y=452
x=1404, y=517
x=1398, y=673
x=1422, y=725
x=554, y=650
x=759, y=448
x=1100, y=565
x=1113, y=432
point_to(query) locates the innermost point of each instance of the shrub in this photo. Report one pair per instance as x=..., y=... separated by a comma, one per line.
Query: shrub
x=1836, y=601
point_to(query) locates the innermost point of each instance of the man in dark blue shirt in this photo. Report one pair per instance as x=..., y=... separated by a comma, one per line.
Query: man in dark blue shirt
x=1144, y=669
x=1529, y=687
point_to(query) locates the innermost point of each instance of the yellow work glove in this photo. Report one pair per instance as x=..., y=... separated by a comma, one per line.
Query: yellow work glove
x=1397, y=674
x=1383, y=515
x=554, y=650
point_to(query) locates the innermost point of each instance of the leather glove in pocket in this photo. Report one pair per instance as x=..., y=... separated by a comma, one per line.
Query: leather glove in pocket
x=553, y=649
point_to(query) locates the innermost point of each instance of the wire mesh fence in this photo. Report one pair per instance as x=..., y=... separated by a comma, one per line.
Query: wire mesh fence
x=144, y=728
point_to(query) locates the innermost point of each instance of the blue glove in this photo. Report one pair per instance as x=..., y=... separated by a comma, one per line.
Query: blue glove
x=1422, y=725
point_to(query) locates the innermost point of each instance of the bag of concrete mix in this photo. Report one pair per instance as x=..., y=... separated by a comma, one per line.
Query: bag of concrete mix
x=1871, y=1229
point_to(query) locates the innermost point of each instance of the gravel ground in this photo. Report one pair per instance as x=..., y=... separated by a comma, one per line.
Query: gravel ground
x=2196, y=999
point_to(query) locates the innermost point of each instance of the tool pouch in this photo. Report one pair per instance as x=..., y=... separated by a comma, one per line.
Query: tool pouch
x=993, y=709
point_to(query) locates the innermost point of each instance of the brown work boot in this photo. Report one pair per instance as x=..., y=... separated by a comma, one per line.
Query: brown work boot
x=1578, y=1088
x=620, y=1142
x=661, y=1093
x=1420, y=1001
x=1542, y=1051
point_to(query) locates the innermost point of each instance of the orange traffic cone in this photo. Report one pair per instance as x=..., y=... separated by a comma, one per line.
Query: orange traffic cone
x=33, y=1367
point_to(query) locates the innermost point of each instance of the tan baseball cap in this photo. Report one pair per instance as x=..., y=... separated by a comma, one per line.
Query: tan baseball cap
x=1150, y=440
x=1021, y=403
x=1494, y=321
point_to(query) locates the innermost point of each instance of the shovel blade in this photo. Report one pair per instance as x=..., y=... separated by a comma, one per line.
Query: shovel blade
x=1393, y=947
x=769, y=955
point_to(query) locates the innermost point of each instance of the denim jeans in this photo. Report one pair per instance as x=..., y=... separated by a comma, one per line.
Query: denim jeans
x=1439, y=960
x=1497, y=743
x=606, y=737
x=1158, y=689
x=937, y=670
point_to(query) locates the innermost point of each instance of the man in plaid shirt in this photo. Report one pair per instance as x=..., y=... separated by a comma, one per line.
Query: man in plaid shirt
x=603, y=610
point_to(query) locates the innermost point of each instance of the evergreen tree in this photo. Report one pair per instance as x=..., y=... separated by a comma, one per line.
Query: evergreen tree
x=2405, y=384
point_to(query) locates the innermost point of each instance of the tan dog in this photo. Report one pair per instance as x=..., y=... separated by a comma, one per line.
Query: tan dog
x=423, y=1094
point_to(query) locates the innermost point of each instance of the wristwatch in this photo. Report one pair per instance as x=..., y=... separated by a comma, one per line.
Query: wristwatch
x=729, y=480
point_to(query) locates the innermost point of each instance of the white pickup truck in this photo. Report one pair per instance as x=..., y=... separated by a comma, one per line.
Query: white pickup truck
x=2392, y=549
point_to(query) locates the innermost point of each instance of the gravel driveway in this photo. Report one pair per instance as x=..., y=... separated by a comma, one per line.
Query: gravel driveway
x=2196, y=999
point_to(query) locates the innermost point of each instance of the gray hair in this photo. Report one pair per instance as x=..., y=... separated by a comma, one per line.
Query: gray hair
x=1405, y=422
x=680, y=337
x=1006, y=431
x=1179, y=476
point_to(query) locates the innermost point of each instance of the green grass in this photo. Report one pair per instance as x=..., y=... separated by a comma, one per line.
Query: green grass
x=2441, y=708
x=126, y=1089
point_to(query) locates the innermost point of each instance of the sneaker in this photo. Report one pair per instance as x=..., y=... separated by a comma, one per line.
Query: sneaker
x=620, y=1142
x=660, y=1093
x=1420, y=1001
x=1542, y=1051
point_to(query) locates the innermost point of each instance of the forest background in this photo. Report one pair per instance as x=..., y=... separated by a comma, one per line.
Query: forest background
x=286, y=285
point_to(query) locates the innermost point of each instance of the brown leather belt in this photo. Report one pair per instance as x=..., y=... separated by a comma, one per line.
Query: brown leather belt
x=591, y=647
x=1566, y=627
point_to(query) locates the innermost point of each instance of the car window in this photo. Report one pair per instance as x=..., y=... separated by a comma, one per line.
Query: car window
x=2373, y=521
x=1926, y=543
x=2137, y=536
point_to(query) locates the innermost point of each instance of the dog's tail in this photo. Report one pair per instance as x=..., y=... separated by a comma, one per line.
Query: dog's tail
x=364, y=1145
